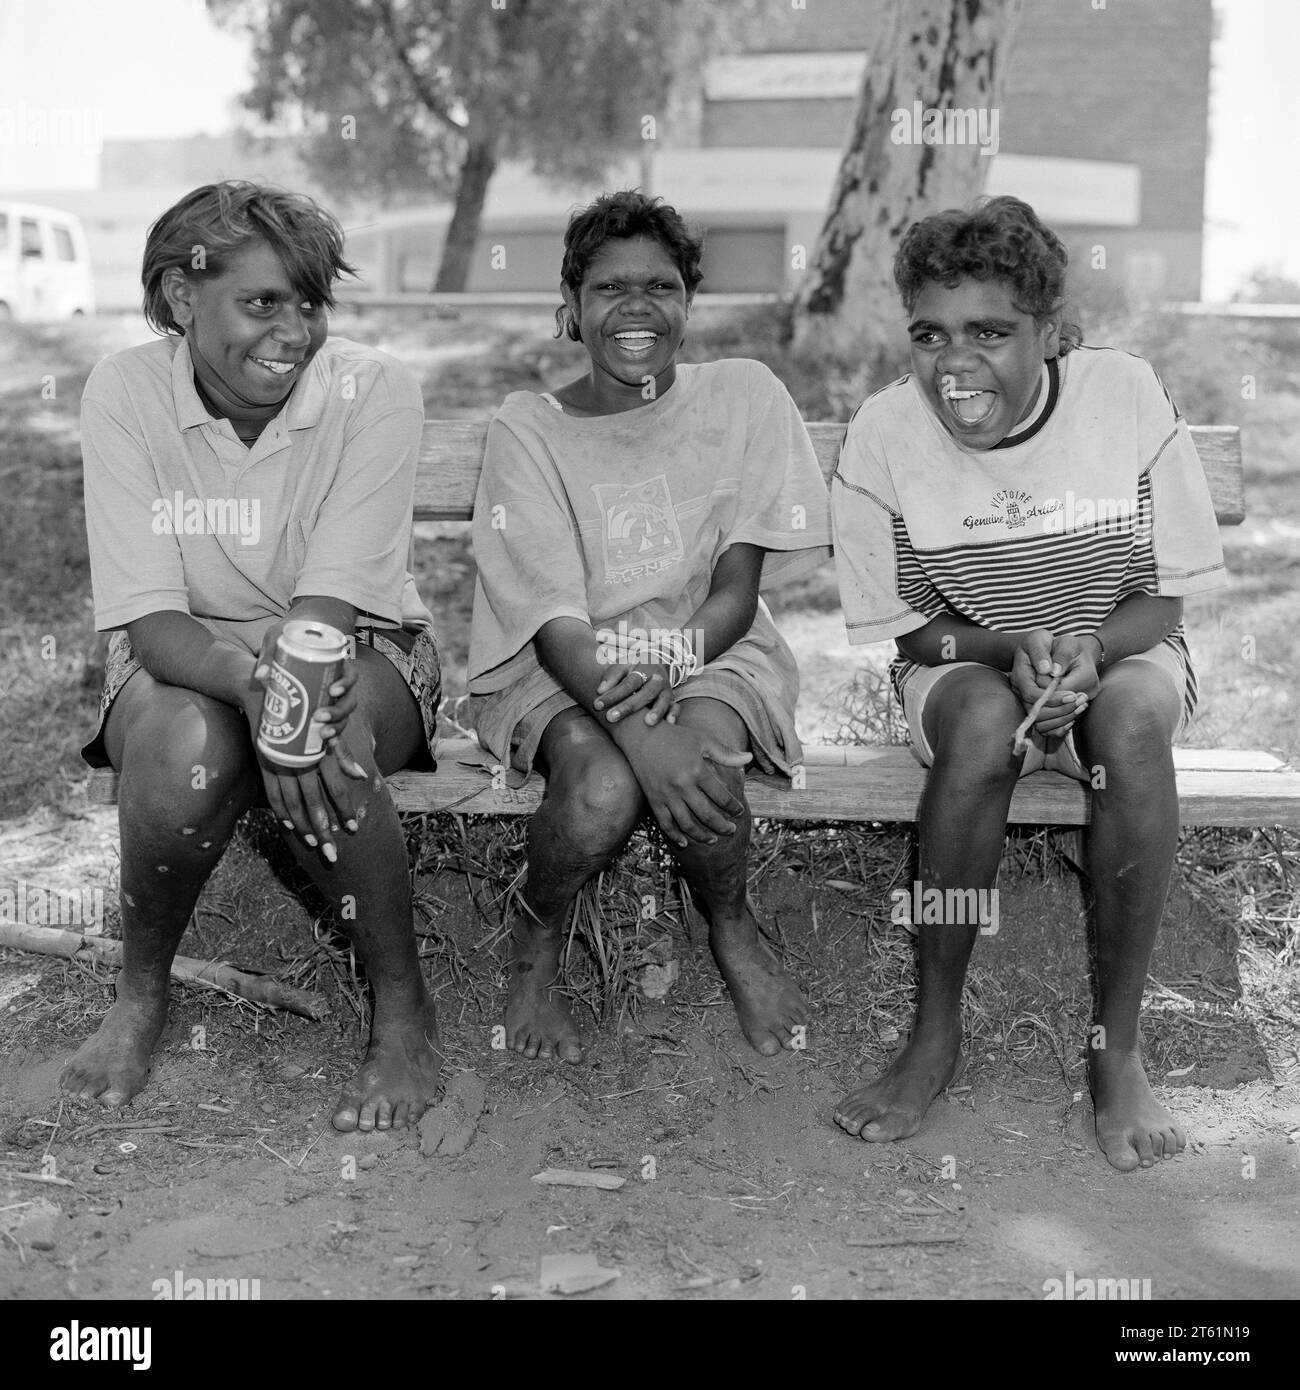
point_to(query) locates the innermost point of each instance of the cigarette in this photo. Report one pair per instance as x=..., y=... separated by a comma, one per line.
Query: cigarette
x=1022, y=733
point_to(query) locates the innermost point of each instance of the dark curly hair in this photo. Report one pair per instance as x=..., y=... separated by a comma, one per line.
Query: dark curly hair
x=221, y=218
x=627, y=213
x=994, y=239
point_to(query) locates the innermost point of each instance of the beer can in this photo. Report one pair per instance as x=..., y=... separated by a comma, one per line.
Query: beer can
x=308, y=660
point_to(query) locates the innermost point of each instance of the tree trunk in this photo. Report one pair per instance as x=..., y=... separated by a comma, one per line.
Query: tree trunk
x=476, y=172
x=946, y=57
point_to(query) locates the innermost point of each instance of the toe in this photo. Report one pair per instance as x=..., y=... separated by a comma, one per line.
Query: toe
x=1119, y=1152
x=571, y=1051
x=345, y=1116
x=401, y=1115
x=383, y=1114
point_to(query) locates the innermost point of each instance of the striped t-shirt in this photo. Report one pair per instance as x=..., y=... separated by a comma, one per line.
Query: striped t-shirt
x=1098, y=496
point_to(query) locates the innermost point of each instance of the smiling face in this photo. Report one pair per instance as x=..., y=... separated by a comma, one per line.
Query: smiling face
x=631, y=311
x=978, y=359
x=250, y=334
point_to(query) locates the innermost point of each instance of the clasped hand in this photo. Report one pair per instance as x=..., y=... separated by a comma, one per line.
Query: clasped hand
x=1040, y=656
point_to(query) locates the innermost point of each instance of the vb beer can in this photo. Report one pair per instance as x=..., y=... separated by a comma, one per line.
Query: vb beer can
x=308, y=660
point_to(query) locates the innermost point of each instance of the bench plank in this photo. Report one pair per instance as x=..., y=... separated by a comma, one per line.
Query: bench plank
x=1228, y=787
x=451, y=457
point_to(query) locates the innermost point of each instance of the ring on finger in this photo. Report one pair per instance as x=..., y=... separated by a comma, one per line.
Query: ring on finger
x=644, y=677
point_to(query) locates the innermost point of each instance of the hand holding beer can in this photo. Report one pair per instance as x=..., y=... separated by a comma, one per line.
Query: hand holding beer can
x=308, y=660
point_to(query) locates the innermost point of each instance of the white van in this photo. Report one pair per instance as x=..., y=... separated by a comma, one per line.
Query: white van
x=44, y=265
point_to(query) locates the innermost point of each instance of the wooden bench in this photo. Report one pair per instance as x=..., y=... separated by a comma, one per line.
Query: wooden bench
x=1227, y=787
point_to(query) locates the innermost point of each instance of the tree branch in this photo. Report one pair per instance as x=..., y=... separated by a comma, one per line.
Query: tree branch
x=429, y=98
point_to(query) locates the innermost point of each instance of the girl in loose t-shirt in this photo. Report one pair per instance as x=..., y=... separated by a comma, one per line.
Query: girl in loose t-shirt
x=623, y=529
x=1024, y=516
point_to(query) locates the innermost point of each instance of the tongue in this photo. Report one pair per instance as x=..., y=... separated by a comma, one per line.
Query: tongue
x=971, y=409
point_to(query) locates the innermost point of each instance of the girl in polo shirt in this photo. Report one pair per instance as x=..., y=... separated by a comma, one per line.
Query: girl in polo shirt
x=1020, y=507
x=241, y=471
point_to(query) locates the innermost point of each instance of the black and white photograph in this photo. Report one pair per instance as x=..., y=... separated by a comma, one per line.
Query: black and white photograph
x=649, y=654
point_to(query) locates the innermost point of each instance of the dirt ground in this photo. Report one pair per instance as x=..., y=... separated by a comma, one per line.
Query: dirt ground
x=736, y=1183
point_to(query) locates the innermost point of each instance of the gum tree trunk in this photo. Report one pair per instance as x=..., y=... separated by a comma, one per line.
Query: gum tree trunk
x=471, y=192
x=947, y=57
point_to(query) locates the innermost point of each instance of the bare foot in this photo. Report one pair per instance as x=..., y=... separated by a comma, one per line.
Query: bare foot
x=1133, y=1128
x=894, y=1104
x=398, y=1080
x=113, y=1065
x=768, y=1005
x=538, y=1020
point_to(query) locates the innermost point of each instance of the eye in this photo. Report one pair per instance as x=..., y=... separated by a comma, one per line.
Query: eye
x=262, y=301
x=993, y=333
x=926, y=338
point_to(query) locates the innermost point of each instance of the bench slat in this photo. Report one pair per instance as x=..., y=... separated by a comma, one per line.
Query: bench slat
x=451, y=456
x=1229, y=787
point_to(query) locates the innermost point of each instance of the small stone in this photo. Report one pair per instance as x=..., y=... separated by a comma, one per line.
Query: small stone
x=368, y=1161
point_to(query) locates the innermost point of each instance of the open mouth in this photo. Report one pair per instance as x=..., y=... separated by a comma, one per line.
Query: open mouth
x=968, y=407
x=274, y=365
x=636, y=342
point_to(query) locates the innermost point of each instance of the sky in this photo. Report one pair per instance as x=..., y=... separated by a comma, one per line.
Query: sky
x=120, y=69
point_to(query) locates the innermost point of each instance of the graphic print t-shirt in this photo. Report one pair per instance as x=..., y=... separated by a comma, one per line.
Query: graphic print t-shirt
x=1102, y=498
x=622, y=518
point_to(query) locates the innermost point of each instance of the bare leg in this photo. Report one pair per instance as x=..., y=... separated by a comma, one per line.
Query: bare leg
x=187, y=775
x=592, y=805
x=970, y=718
x=1127, y=734
x=370, y=888
x=768, y=1005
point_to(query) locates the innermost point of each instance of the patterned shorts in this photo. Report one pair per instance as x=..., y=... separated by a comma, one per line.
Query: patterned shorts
x=414, y=653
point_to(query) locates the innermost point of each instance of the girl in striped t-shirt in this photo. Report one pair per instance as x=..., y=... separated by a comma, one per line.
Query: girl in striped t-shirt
x=1020, y=507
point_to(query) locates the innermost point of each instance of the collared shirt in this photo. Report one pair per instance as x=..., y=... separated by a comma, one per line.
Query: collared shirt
x=183, y=517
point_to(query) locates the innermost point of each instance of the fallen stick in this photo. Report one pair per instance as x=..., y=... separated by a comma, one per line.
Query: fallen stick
x=1022, y=733
x=921, y=1238
x=206, y=974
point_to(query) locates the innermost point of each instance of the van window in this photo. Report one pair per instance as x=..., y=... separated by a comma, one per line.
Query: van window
x=63, y=247
x=31, y=235
x=4, y=231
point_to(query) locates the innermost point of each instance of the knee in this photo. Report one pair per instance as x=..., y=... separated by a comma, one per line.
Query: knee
x=1129, y=724
x=597, y=799
x=975, y=733
x=189, y=769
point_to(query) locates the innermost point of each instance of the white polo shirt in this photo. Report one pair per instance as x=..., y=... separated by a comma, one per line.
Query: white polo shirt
x=183, y=517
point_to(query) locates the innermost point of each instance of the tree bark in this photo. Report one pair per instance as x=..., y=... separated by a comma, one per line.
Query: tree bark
x=476, y=172
x=949, y=56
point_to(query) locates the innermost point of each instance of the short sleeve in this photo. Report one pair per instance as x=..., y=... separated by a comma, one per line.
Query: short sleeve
x=359, y=542
x=136, y=566
x=883, y=590
x=1182, y=545
x=783, y=504
x=527, y=551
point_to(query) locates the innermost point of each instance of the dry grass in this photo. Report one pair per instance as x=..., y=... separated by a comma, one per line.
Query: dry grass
x=845, y=952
